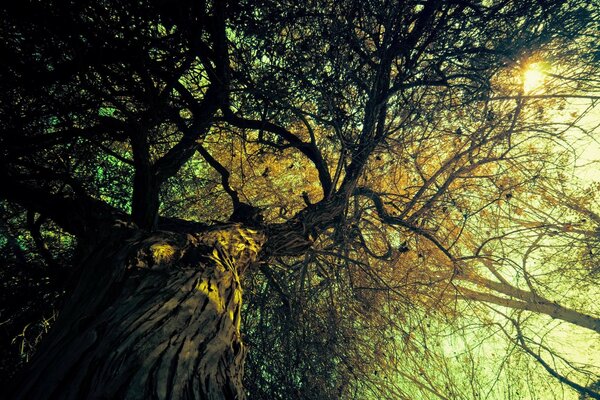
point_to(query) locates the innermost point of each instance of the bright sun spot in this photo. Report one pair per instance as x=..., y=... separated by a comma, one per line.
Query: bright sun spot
x=533, y=77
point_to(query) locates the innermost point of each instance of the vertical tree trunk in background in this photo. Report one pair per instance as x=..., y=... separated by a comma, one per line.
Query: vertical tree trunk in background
x=154, y=315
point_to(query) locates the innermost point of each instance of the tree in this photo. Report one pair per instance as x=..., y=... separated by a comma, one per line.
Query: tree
x=341, y=160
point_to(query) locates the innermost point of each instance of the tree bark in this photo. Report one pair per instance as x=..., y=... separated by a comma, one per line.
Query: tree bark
x=154, y=316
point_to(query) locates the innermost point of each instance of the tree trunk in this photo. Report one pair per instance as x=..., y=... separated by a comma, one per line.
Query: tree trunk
x=154, y=316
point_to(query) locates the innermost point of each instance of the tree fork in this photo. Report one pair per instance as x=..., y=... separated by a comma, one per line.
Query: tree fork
x=154, y=315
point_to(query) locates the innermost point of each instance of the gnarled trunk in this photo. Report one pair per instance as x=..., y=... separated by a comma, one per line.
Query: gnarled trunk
x=153, y=316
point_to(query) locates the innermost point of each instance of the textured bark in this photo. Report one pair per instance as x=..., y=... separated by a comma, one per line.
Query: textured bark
x=153, y=316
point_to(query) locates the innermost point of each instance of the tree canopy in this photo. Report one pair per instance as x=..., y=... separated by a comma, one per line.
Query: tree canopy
x=421, y=175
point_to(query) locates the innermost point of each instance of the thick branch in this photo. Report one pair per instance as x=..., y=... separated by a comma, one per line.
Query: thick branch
x=20, y=143
x=295, y=236
x=145, y=202
x=76, y=214
x=34, y=226
x=392, y=220
x=214, y=98
x=148, y=180
x=170, y=163
x=551, y=309
x=310, y=150
x=503, y=288
x=224, y=175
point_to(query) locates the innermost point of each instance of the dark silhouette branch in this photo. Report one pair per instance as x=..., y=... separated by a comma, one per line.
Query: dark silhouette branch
x=224, y=175
x=562, y=379
x=34, y=226
x=393, y=220
x=78, y=214
x=310, y=150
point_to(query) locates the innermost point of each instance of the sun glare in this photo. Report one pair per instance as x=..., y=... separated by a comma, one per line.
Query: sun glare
x=533, y=77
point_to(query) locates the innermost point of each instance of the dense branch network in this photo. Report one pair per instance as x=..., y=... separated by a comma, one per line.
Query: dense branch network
x=388, y=153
